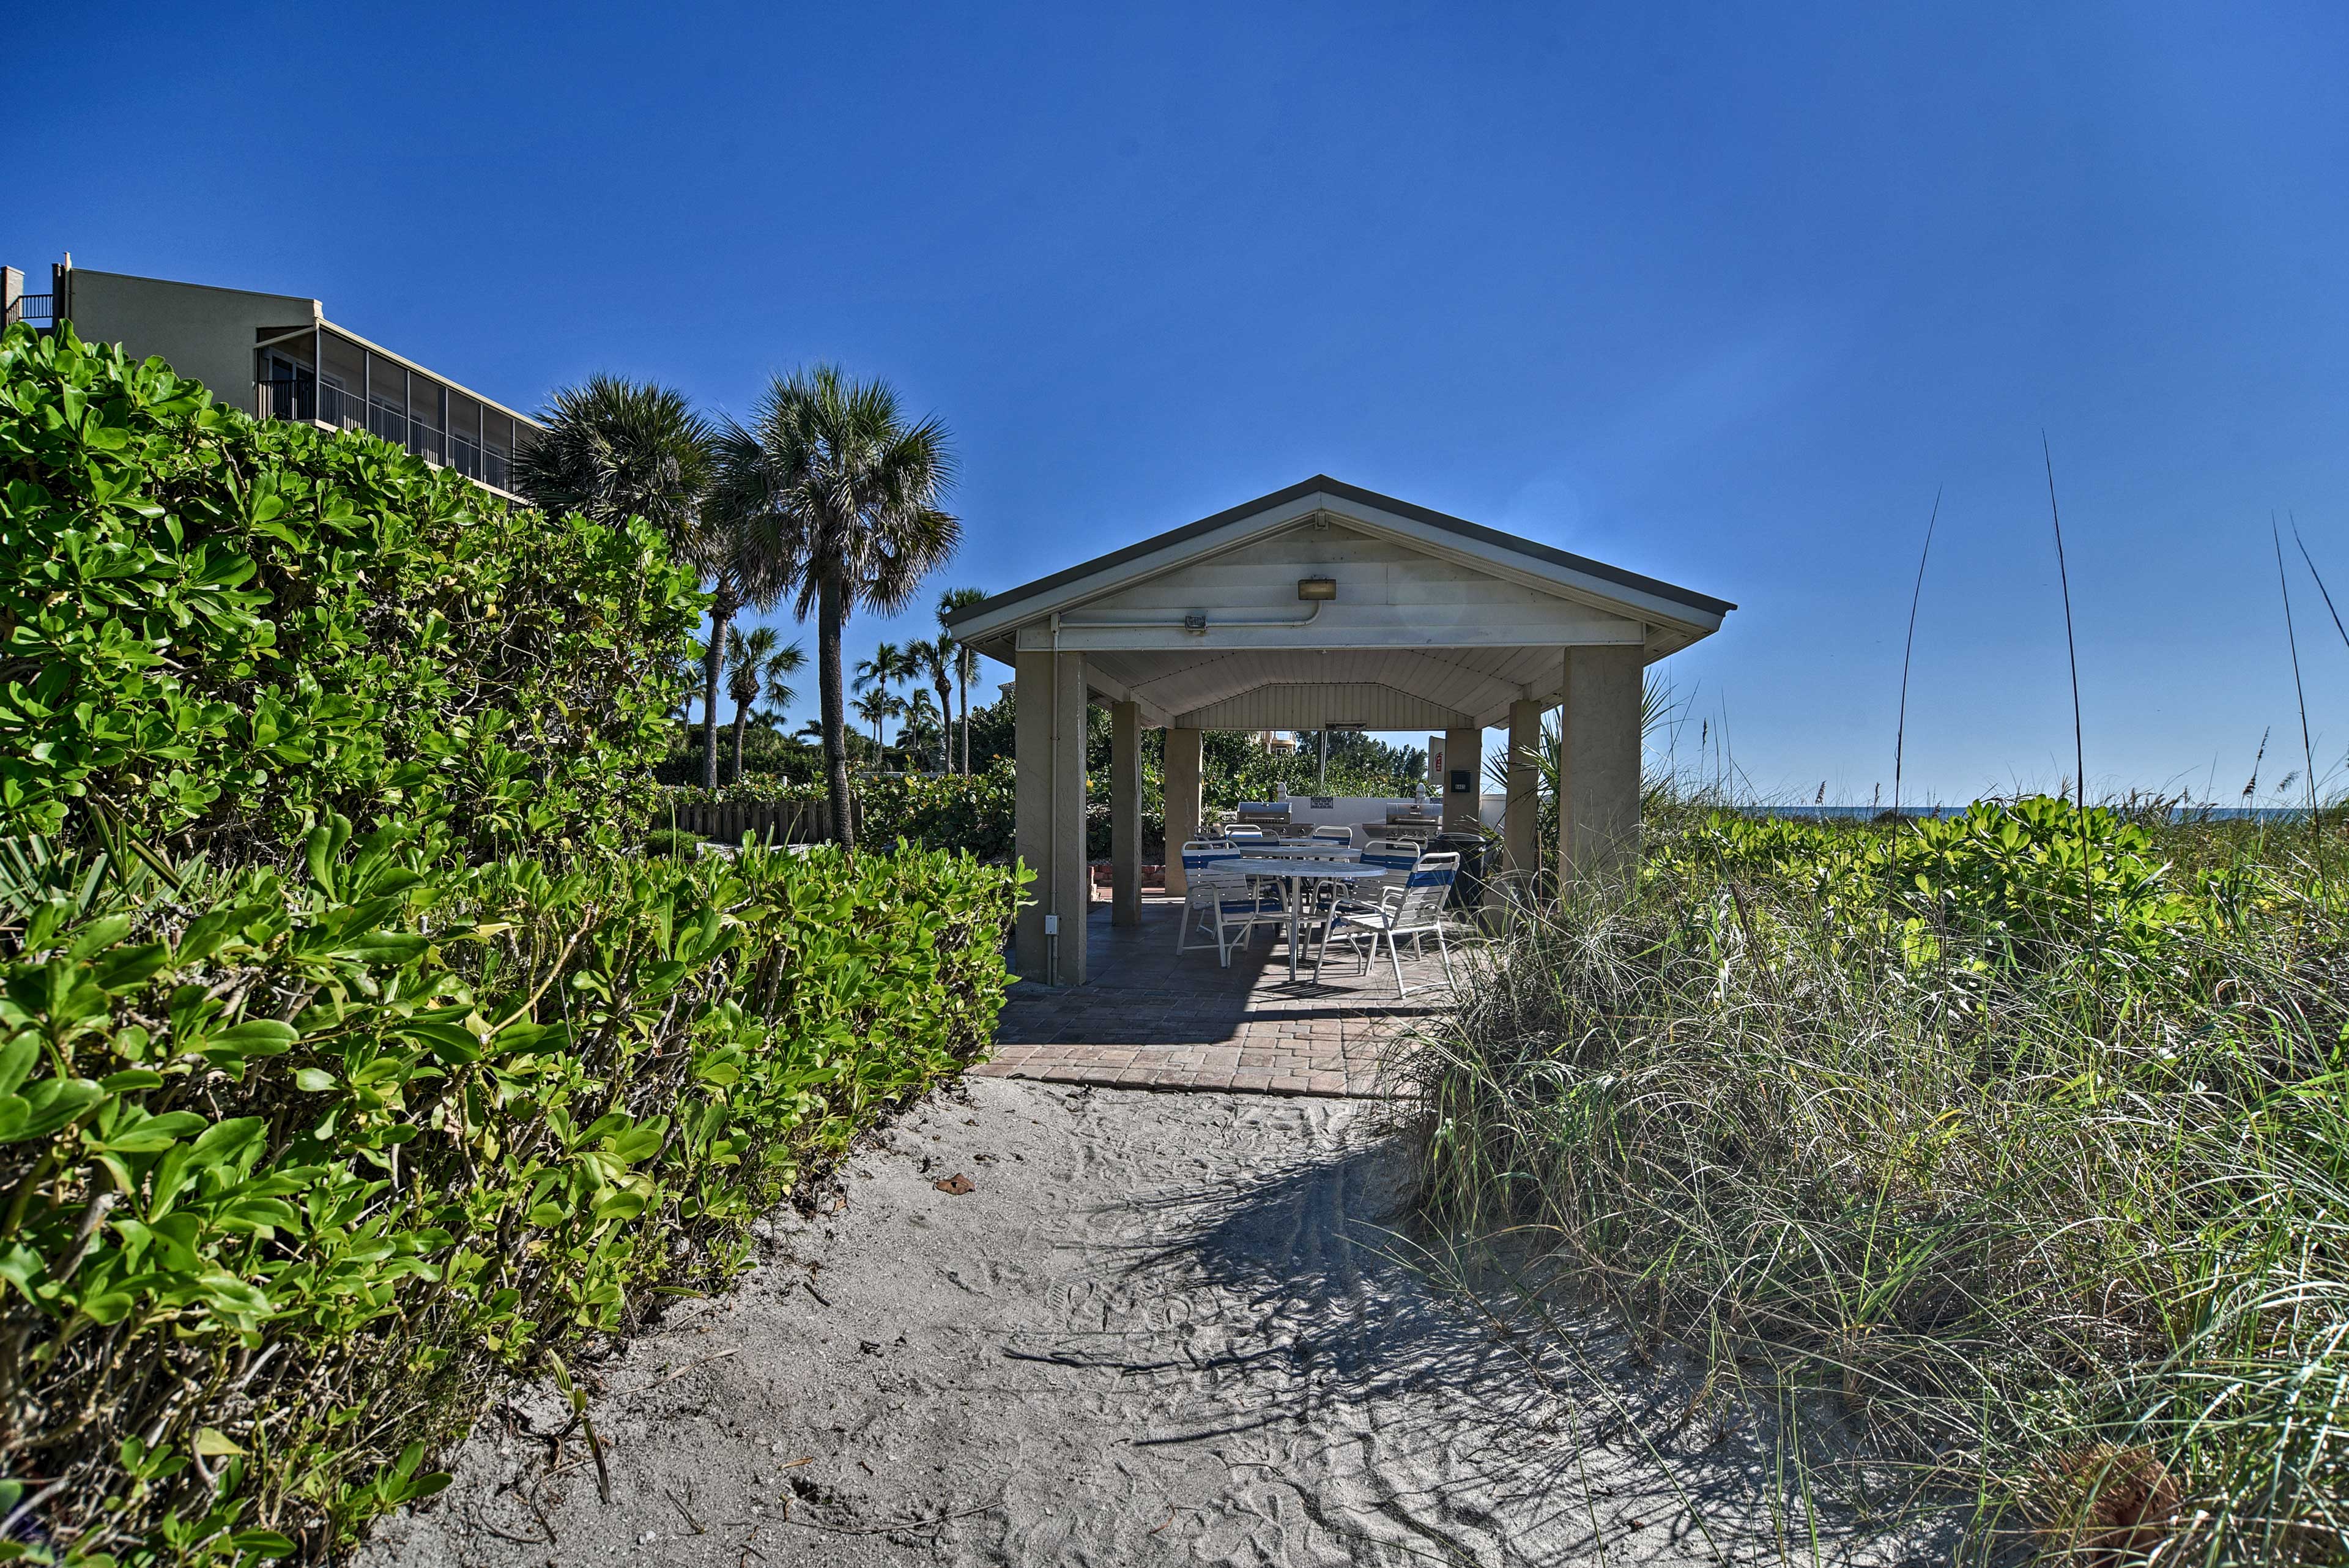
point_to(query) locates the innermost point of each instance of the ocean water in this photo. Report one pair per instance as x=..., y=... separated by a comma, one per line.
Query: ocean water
x=2268, y=813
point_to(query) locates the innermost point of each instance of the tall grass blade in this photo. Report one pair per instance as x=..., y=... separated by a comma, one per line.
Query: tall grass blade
x=1916, y=595
x=2071, y=647
x=2321, y=588
x=2307, y=750
x=2072, y=652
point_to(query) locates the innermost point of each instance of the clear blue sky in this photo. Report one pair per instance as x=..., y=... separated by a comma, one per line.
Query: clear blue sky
x=1720, y=293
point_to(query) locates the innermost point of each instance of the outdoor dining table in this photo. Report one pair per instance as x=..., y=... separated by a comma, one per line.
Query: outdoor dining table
x=1296, y=874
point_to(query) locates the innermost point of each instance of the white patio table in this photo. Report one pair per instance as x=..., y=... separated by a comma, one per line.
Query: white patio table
x=1296, y=874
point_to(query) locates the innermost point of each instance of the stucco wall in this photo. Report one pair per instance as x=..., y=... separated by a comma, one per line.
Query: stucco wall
x=204, y=332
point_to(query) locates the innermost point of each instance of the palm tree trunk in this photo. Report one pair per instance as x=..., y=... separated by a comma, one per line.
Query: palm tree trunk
x=833, y=702
x=722, y=605
x=962, y=679
x=945, y=725
x=741, y=714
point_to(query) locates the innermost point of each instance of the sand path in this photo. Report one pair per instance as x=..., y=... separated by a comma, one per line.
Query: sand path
x=1159, y=1328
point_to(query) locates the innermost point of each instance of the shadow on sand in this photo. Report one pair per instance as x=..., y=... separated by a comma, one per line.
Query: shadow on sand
x=1453, y=1408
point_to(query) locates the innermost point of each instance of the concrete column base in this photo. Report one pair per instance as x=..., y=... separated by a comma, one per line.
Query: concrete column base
x=1048, y=936
x=1183, y=754
x=1598, y=810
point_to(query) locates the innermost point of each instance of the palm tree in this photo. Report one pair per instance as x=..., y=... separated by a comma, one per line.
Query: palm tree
x=965, y=658
x=745, y=673
x=851, y=495
x=888, y=665
x=935, y=658
x=757, y=666
x=747, y=562
x=919, y=721
x=615, y=448
x=786, y=662
x=687, y=676
x=877, y=705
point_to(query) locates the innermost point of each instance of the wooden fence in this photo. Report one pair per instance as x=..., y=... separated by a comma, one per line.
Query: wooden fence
x=773, y=821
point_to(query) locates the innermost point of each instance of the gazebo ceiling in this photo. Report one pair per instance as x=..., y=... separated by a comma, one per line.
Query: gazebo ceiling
x=1435, y=622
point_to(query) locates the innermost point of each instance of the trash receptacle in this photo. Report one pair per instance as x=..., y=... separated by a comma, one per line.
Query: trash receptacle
x=1468, y=885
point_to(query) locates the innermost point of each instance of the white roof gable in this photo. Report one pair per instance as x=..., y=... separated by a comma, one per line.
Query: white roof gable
x=1431, y=614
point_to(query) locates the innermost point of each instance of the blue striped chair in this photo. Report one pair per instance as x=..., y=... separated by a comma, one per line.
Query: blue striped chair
x=1415, y=909
x=1221, y=903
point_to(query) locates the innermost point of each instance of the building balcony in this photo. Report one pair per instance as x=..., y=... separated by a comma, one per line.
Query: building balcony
x=302, y=400
x=39, y=309
x=319, y=375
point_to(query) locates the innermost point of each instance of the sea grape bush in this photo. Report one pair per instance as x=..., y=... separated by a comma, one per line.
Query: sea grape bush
x=216, y=630
x=975, y=812
x=957, y=811
x=352, y=1052
x=298, y=1159
x=2018, y=881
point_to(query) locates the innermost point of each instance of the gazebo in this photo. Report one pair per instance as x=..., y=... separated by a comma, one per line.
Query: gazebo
x=1320, y=605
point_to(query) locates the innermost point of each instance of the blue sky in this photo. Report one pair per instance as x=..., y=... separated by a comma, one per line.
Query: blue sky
x=1721, y=295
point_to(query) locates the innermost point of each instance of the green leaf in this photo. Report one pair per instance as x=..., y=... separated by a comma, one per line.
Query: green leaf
x=619, y=1204
x=213, y=1443
x=222, y=1139
x=45, y=1106
x=153, y=1133
x=17, y=1058
x=255, y=1037
x=131, y=967
x=263, y=1543
x=98, y=935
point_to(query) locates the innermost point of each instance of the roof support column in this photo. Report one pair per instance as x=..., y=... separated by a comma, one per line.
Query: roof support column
x=1048, y=938
x=1598, y=789
x=1521, y=816
x=1184, y=749
x=1463, y=760
x=1125, y=814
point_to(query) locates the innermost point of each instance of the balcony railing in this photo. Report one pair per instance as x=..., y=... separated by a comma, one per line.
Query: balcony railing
x=40, y=307
x=302, y=400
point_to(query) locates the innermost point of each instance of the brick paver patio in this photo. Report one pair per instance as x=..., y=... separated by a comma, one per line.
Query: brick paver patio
x=1149, y=1019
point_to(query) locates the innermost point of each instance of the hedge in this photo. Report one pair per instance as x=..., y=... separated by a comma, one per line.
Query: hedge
x=216, y=630
x=973, y=812
x=299, y=1161
x=309, y=1133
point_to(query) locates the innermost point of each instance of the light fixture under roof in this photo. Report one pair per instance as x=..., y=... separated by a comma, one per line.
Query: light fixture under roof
x=1317, y=589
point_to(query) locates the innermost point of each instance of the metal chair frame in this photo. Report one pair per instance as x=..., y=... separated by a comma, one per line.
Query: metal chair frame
x=1224, y=902
x=1414, y=911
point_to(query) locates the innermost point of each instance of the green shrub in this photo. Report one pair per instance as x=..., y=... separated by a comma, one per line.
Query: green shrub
x=219, y=629
x=299, y=1159
x=976, y=812
x=2002, y=1158
x=2023, y=881
x=672, y=842
x=305, y=1139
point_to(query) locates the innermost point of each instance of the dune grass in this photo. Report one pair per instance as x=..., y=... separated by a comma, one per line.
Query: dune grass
x=2018, y=1144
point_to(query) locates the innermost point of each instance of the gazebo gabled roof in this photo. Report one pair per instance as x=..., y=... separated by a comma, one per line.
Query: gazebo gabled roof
x=1436, y=620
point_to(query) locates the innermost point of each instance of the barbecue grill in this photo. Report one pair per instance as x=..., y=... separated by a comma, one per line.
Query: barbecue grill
x=1271, y=815
x=1410, y=819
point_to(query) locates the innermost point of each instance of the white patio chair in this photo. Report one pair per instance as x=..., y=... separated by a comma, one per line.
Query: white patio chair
x=1344, y=835
x=1221, y=902
x=1398, y=855
x=1414, y=911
